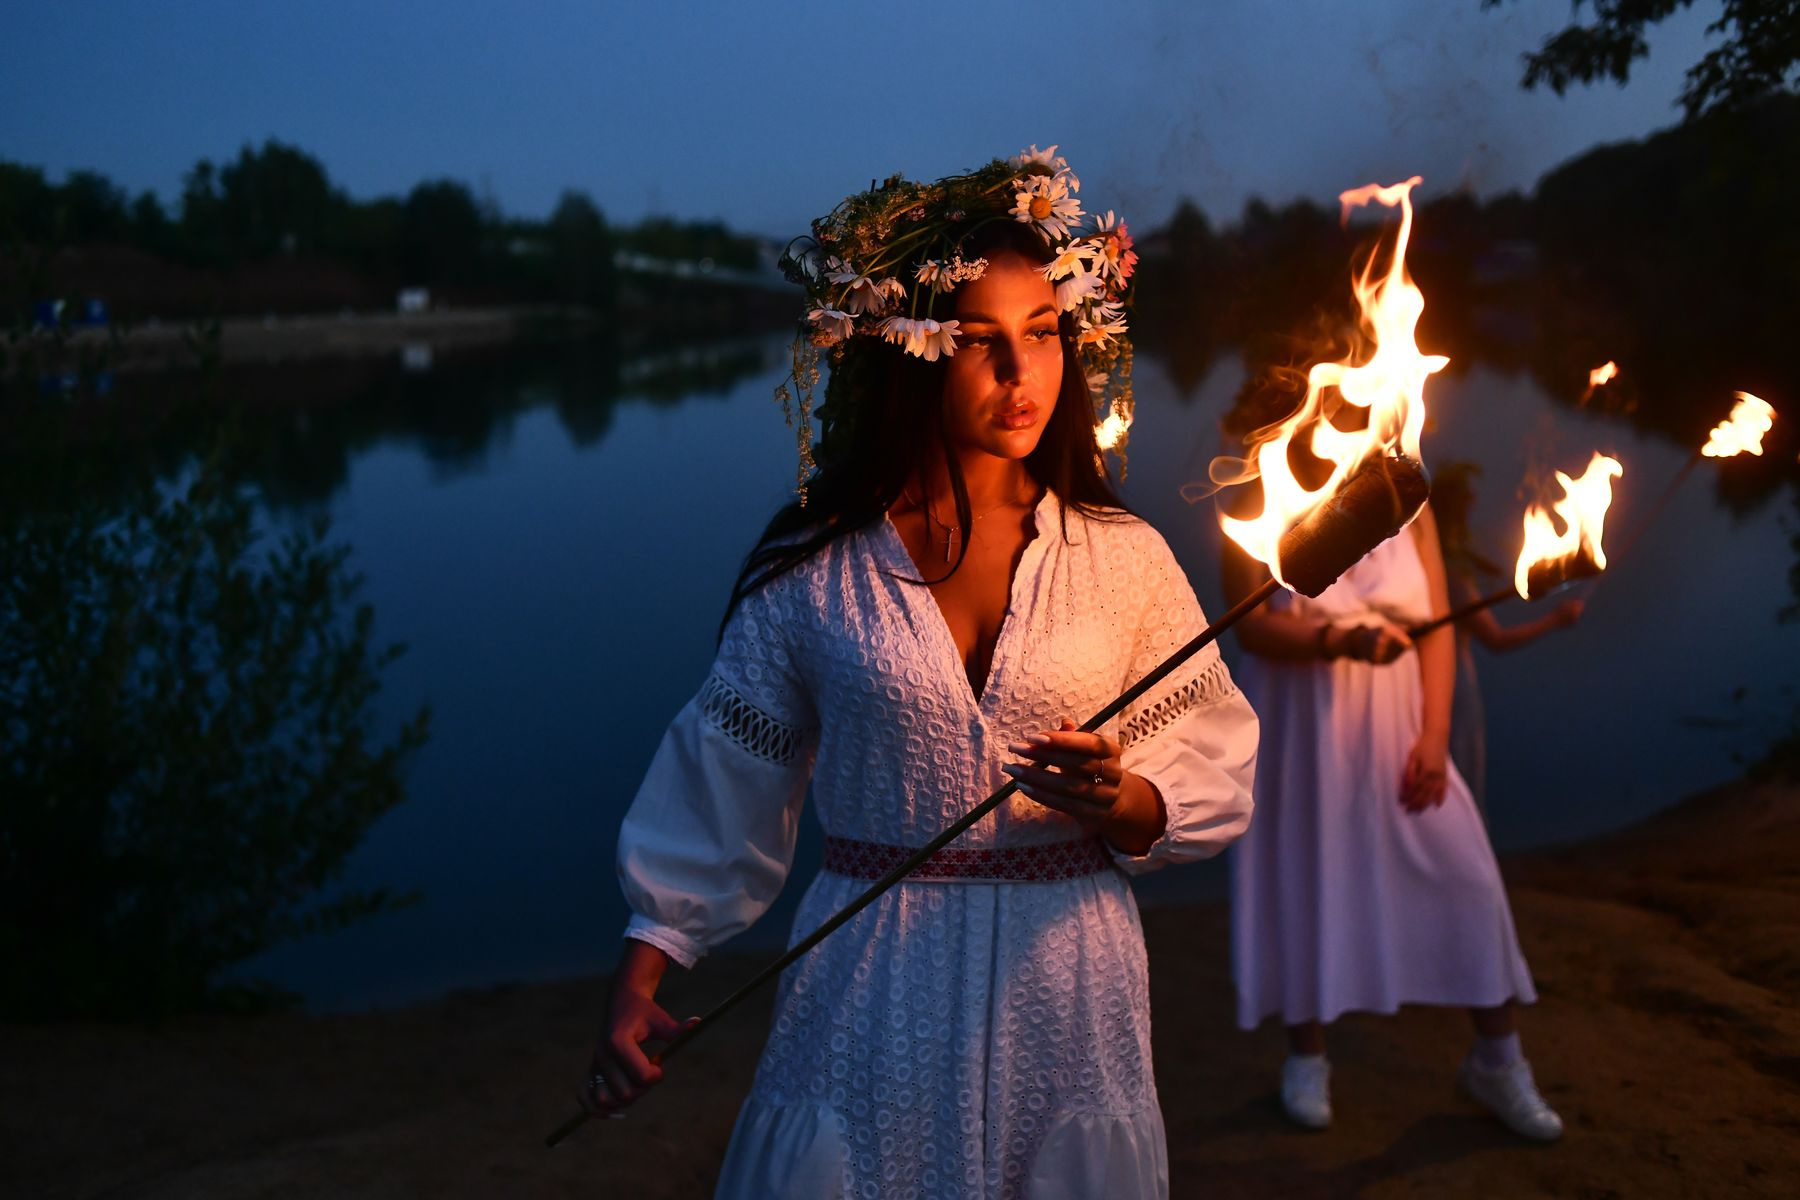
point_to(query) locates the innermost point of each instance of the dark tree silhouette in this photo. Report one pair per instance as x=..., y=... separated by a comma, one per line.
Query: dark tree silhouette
x=1759, y=56
x=277, y=200
x=189, y=749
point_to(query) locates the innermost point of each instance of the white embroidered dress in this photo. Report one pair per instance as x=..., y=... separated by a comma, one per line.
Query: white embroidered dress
x=955, y=1039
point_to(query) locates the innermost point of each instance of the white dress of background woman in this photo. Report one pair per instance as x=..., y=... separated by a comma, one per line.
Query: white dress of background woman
x=1343, y=900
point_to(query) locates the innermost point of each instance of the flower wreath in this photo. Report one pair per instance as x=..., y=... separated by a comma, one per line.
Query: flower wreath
x=857, y=265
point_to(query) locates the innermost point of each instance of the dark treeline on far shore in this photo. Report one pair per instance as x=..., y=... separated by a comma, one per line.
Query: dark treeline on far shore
x=1674, y=256
x=268, y=231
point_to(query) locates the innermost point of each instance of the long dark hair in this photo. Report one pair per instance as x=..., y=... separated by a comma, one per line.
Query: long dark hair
x=884, y=414
x=1452, y=499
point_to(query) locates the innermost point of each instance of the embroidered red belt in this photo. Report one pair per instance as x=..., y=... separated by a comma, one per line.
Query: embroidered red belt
x=1007, y=864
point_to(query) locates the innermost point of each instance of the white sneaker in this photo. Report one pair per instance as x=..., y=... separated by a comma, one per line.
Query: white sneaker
x=1305, y=1090
x=1511, y=1094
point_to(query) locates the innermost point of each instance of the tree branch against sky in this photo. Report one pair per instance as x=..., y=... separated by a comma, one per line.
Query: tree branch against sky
x=1760, y=53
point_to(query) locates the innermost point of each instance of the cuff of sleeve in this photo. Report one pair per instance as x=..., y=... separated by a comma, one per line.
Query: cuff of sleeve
x=1196, y=826
x=1158, y=851
x=677, y=945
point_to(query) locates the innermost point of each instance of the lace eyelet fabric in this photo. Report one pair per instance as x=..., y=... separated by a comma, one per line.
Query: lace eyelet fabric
x=1210, y=686
x=756, y=731
x=958, y=1031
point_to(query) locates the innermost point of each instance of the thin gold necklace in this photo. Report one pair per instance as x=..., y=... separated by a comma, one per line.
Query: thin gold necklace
x=951, y=533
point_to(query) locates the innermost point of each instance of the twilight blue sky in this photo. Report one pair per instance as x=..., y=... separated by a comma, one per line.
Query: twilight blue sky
x=765, y=113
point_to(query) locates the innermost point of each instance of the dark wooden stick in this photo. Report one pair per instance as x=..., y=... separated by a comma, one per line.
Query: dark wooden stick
x=918, y=857
x=1456, y=614
x=1656, y=509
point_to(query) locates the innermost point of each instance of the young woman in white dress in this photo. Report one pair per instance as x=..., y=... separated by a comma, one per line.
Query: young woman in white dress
x=960, y=589
x=1368, y=881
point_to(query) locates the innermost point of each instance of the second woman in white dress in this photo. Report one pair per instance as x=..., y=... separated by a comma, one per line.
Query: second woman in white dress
x=1368, y=881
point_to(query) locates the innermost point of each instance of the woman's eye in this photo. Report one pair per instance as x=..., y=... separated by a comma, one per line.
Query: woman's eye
x=1042, y=334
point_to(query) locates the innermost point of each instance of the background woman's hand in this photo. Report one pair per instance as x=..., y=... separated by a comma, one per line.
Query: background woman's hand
x=1380, y=642
x=1427, y=774
x=619, y=1071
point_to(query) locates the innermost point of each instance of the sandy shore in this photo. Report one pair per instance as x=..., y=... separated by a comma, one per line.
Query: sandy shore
x=1668, y=1035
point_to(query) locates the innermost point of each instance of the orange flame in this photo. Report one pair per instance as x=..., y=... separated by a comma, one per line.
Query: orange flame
x=1390, y=385
x=1582, y=511
x=1751, y=417
x=1109, y=432
x=1598, y=378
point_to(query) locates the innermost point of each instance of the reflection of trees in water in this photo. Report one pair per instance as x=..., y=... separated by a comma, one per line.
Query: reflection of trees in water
x=300, y=424
x=187, y=724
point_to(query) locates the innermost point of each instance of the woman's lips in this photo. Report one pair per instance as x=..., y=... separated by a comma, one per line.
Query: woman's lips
x=1021, y=417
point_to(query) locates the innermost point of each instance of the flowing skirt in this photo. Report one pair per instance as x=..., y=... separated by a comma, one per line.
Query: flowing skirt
x=969, y=1039
x=1341, y=899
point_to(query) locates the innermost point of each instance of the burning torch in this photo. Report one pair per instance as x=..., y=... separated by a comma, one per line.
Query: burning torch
x=1549, y=559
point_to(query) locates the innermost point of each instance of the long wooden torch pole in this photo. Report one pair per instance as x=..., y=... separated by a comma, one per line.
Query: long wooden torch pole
x=1211, y=633
x=1456, y=614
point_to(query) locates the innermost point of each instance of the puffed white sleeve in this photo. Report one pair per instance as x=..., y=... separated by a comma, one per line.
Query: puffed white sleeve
x=709, y=838
x=1193, y=735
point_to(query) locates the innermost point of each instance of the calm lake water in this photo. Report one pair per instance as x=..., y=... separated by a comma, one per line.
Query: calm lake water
x=558, y=569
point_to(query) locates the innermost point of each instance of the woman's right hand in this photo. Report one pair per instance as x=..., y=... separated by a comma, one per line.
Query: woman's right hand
x=620, y=1072
x=1379, y=643
x=1567, y=613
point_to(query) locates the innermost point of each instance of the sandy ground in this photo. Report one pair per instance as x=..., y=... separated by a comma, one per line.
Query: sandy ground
x=1668, y=1035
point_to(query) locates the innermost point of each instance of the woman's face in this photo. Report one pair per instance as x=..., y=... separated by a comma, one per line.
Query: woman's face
x=1001, y=384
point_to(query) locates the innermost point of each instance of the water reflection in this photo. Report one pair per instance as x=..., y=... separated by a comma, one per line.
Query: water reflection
x=301, y=424
x=189, y=725
x=553, y=529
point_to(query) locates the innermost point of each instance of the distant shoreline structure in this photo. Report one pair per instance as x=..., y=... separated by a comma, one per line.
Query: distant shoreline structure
x=160, y=345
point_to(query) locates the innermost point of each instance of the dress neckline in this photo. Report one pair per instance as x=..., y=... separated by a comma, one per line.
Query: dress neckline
x=899, y=559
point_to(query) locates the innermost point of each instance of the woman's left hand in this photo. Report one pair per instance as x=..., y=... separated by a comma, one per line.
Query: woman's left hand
x=1427, y=774
x=1071, y=771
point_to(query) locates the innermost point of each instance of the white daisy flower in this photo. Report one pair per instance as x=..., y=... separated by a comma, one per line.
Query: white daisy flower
x=924, y=338
x=1043, y=158
x=866, y=295
x=1102, y=324
x=1072, y=259
x=831, y=325
x=1114, y=257
x=1044, y=201
x=905, y=332
x=1076, y=290
x=941, y=277
x=940, y=338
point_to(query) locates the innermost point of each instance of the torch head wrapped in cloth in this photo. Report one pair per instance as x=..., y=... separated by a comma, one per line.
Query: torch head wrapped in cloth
x=1374, y=505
